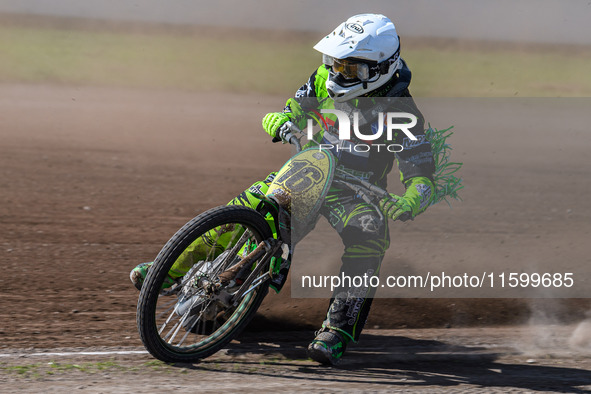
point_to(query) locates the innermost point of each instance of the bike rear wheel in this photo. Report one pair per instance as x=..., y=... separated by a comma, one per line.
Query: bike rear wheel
x=189, y=321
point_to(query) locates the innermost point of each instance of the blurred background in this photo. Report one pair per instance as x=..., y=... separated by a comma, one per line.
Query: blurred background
x=455, y=47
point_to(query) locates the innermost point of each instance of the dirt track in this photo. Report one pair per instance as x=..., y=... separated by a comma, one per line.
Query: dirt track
x=424, y=360
x=95, y=180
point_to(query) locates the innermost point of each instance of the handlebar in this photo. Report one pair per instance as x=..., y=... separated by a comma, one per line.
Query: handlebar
x=286, y=133
x=291, y=137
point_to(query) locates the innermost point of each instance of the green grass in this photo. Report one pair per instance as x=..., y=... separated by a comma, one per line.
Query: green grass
x=150, y=60
x=500, y=72
x=38, y=370
x=243, y=62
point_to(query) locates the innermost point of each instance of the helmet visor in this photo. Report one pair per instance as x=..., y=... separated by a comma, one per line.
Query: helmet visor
x=349, y=69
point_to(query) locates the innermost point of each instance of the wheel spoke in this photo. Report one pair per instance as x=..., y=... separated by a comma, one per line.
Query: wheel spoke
x=178, y=326
x=166, y=322
x=168, y=305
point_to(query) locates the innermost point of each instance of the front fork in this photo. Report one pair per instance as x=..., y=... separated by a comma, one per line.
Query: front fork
x=265, y=251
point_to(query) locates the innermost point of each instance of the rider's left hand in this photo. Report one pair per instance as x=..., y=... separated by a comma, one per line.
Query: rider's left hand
x=396, y=207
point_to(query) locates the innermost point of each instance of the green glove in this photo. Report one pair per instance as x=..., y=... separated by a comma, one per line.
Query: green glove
x=396, y=207
x=273, y=121
x=418, y=196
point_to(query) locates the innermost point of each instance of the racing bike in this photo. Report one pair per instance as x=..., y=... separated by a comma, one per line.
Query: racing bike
x=235, y=254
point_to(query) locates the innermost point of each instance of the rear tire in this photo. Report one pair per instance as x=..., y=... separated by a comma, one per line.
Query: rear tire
x=214, y=335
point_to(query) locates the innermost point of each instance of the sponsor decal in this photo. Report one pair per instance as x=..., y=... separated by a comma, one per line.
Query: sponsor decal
x=355, y=28
x=407, y=143
x=337, y=212
x=256, y=189
x=425, y=193
x=421, y=158
x=369, y=224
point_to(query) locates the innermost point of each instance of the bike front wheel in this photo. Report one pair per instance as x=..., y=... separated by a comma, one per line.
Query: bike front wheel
x=199, y=315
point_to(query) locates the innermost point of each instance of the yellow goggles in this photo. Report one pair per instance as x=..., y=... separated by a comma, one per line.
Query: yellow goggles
x=349, y=69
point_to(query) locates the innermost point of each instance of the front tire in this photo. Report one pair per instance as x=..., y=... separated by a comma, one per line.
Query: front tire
x=184, y=323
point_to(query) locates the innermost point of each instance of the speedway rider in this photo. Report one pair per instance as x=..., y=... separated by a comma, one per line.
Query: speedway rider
x=361, y=58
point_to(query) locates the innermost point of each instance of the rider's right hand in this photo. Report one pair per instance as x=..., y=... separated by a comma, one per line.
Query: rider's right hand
x=273, y=121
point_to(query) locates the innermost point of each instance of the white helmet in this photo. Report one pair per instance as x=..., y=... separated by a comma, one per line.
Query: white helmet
x=363, y=53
